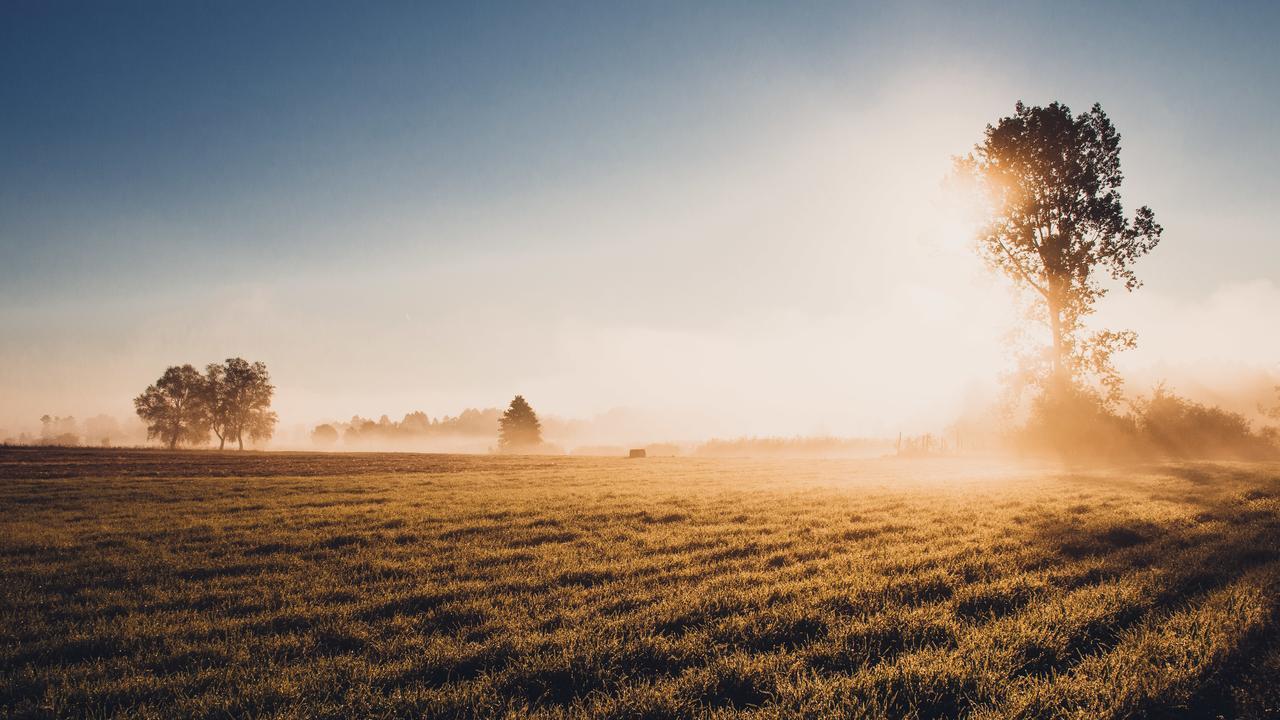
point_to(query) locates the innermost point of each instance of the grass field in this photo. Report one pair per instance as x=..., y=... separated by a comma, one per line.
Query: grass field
x=153, y=584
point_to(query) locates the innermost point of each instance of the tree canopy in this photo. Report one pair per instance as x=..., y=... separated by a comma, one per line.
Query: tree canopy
x=174, y=408
x=239, y=394
x=325, y=435
x=232, y=400
x=1056, y=226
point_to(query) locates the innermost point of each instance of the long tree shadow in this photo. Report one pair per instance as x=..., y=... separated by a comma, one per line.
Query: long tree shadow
x=1230, y=527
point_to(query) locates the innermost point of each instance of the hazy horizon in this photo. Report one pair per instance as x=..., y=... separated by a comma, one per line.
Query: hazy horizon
x=730, y=220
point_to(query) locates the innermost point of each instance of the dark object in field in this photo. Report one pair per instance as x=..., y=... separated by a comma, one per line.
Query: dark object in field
x=636, y=453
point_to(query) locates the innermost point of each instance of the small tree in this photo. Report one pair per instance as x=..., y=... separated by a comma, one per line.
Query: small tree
x=174, y=408
x=1052, y=183
x=518, y=428
x=325, y=435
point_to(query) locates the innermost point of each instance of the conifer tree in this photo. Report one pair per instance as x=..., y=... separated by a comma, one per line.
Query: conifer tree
x=518, y=428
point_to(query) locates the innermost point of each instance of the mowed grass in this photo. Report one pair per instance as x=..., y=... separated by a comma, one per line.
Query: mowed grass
x=158, y=585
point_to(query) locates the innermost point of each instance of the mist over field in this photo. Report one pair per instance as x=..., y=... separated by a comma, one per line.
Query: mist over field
x=667, y=402
x=782, y=239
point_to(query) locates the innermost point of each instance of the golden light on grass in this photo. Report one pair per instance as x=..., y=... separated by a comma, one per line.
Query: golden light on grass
x=360, y=585
x=639, y=361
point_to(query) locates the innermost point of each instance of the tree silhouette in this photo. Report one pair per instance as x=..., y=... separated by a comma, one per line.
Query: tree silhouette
x=1052, y=183
x=217, y=402
x=56, y=430
x=174, y=408
x=325, y=435
x=518, y=428
x=238, y=394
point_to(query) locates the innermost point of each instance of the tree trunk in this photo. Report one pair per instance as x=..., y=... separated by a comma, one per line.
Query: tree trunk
x=240, y=439
x=1059, y=361
x=1055, y=327
x=173, y=441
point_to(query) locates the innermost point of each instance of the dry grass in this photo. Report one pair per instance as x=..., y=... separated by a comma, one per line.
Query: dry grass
x=149, y=584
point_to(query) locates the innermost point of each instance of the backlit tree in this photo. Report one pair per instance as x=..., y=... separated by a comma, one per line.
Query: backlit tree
x=174, y=408
x=238, y=394
x=518, y=428
x=1051, y=181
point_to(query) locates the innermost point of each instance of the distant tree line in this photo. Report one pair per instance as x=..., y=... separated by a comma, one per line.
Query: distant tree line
x=230, y=400
x=518, y=428
x=413, y=426
x=56, y=430
x=814, y=446
x=67, y=431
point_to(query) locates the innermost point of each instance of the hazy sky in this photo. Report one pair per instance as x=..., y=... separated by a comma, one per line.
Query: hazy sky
x=729, y=215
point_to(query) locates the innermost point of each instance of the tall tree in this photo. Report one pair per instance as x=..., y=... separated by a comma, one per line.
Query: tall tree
x=174, y=408
x=238, y=394
x=518, y=428
x=1052, y=184
x=217, y=402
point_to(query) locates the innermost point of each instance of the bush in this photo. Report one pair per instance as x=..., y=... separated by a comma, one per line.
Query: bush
x=1177, y=427
x=1077, y=424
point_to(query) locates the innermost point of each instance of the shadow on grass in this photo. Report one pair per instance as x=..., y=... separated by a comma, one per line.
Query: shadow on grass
x=1231, y=529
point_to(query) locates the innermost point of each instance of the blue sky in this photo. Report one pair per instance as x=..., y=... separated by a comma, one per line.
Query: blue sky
x=381, y=201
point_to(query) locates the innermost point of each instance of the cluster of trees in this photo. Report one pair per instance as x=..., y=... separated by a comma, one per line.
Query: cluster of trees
x=230, y=400
x=415, y=426
x=55, y=430
x=1056, y=228
x=518, y=429
x=817, y=446
x=1176, y=426
x=66, y=431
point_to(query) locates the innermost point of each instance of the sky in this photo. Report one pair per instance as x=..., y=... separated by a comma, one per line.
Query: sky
x=727, y=218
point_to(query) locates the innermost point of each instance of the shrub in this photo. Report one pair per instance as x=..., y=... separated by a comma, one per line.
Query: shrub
x=1177, y=427
x=1077, y=424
